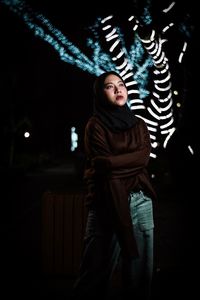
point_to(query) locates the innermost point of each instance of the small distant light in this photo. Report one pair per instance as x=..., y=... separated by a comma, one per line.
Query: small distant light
x=74, y=139
x=26, y=134
x=178, y=104
x=153, y=176
x=190, y=149
x=175, y=92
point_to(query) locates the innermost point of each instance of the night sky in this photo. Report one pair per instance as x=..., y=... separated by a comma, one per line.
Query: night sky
x=51, y=95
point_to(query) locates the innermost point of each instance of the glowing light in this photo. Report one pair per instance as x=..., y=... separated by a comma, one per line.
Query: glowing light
x=175, y=92
x=191, y=150
x=182, y=52
x=169, y=7
x=74, y=139
x=26, y=134
x=135, y=65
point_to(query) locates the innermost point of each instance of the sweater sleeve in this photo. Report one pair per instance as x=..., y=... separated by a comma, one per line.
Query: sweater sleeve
x=126, y=164
x=122, y=218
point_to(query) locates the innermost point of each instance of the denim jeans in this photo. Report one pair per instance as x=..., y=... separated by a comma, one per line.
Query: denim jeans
x=137, y=273
x=102, y=254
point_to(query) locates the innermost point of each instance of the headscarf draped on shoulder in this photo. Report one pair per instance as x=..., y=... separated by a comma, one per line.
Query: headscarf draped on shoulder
x=116, y=118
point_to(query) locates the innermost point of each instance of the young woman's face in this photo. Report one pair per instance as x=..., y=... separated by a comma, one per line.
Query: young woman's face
x=115, y=90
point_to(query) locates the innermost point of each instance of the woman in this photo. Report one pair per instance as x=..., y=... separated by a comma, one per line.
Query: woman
x=120, y=218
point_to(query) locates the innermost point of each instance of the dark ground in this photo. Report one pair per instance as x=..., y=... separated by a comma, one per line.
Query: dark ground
x=21, y=225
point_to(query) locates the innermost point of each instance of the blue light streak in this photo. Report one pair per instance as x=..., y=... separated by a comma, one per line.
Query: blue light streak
x=139, y=63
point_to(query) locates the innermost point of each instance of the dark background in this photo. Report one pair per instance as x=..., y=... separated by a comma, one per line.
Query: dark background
x=42, y=94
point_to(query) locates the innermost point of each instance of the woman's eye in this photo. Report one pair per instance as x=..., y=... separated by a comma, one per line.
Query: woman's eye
x=121, y=84
x=109, y=86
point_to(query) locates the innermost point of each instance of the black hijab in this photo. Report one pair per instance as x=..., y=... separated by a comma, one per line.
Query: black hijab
x=116, y=118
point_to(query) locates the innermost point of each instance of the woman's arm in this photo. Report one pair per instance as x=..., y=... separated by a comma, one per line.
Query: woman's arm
x=126, y=163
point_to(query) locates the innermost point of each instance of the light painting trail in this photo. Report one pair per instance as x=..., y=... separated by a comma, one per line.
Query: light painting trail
x=145, y=58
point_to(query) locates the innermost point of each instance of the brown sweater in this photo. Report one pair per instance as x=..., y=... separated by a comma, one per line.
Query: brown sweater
x=116, y=164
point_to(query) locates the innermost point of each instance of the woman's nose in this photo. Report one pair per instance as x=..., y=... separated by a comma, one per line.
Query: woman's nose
x=117, y=89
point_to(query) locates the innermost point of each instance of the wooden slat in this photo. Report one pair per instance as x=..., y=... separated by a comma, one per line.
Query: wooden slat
x=68, y=234
x=63, y=225
x=58, y=233
x=77, y=231
x=47, y=232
